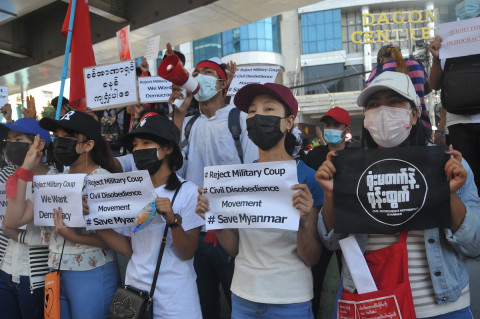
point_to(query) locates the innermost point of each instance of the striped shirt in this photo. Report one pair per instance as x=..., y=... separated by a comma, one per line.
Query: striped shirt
x=417, y=74
x=5, y=173
x=419, y=274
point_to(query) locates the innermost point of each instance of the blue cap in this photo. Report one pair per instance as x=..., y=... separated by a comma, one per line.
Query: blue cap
x=27, y=126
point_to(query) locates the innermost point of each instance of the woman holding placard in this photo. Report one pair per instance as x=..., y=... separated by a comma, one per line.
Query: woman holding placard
x=433, y=267
x=89, y=271
x=272, y=266
x=154, y=144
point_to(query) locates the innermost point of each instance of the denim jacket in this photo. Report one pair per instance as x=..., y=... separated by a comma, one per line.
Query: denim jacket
x=445, y=250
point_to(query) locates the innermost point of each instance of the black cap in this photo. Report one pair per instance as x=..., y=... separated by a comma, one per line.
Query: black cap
x=156, y=126
x=76, y=121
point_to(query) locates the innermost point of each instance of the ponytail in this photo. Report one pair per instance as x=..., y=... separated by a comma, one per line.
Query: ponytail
x=399, y=60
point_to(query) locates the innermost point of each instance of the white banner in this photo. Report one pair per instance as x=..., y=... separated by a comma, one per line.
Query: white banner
x=257, y=195
x=154, y=89
x=460, y=38
x=54, y=191
x=153, y=46
x=3, y=95
x=110, y=86
x=252, y=74
x=115, y=200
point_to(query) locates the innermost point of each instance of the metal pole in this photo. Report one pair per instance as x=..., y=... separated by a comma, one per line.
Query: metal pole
x=65, y=60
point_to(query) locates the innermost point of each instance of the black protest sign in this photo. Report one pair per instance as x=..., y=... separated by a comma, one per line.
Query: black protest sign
x=384, y=191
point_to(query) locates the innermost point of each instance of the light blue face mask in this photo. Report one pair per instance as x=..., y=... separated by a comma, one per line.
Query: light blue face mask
x=208, y=87
x=467, y=9
x=333, y=137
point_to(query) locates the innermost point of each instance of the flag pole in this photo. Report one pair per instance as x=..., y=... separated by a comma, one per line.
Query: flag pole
x=65, y=61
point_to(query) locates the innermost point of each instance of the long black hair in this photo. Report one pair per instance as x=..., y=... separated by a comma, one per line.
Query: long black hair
x=417, y=136
x=290, y=139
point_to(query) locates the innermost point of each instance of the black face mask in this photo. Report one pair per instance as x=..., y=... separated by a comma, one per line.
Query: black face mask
x=147, y=159
x=64, y=150
x=264, y=130
x=16, y=152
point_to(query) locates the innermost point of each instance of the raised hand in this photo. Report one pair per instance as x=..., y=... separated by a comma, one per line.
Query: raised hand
x=34, y=154
x=30, y=111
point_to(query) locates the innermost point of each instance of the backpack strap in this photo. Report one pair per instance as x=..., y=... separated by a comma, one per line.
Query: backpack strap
x=186, y=133
x=236, y=130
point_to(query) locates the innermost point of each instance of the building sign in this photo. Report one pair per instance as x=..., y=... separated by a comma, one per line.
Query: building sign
x=395, y=18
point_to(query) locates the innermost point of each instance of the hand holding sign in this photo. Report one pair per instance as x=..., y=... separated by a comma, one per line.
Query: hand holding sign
x=434, y=47
x=302, y=200
x=202, y=203
x=454, y=171
x=164, y=208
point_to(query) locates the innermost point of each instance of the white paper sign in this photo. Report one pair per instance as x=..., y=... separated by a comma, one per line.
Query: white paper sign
x=153, y=46
x=254, y=195
x=252, y=74
x=3, y=95
x=3, y=202
x=460, y=38
x=110, y=86
x=115, y=200
x=54, y=191
x=154, y=89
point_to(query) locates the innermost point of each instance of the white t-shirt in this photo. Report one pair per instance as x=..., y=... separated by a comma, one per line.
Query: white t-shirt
x=211, y=143
x=268, y=268
x=176, y=294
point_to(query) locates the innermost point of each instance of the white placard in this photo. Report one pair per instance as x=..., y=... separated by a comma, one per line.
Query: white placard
x=460, y=38
x=111, y=85
x=3, y=202
x=252, y=74
x=153, y=46
x=257, y=195
x=154, y=89
x=54, y=191
x=115, y=200
x=3, y=95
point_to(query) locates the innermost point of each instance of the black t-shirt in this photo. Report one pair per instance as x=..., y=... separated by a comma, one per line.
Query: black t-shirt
x=317, y=156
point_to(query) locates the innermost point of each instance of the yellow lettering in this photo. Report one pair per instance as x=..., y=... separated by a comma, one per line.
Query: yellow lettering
x=369, y=37
x=354, y=40
x=407, y=33
x=382, y=18
x=431, y=15
x=366, y=17
x=401, y=13
x=413, y=34
x=412, y=13
x=382, y=35
x=425, y=32
x=396, y=33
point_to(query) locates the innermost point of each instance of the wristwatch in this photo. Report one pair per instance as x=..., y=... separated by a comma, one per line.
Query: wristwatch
x=177, y=221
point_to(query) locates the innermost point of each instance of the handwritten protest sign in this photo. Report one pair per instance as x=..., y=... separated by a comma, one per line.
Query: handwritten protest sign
x=3, y=95
x=153, y=46
x=110, y=86
x=115, y=200
x=154, y=89
x=54, y=191
x=254, y=195
x=384, y=191
x=460, y=38
x=252, y=74
x=3, y=202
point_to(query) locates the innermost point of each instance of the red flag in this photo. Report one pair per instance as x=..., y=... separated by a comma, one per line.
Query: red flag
x=81, y=51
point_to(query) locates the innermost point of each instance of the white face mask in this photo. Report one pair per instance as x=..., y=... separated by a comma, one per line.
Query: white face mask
x=388, y=126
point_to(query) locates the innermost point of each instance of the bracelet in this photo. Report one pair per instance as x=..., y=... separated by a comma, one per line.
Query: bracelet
x=25, y=175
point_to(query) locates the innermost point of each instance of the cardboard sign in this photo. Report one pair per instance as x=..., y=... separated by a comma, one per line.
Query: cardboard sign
x=384, y=191
x=116, y=199
x=254, y=195
x=110, y=86
x=153, y=46
x=54, y=191
x=252, y=74
x=460, y=38
x=123, y=41
x=154, y=89
x=3, y=95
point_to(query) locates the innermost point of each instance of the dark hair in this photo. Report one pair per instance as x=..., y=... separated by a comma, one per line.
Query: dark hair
x=290, y=139
x=174, y=160
x=101, y=153
x=417, y=136
x=180, y=56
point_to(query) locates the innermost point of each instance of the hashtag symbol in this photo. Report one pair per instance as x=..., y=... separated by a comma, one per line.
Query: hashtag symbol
x=89, y=222
x=206, y=175
x=211, y=219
